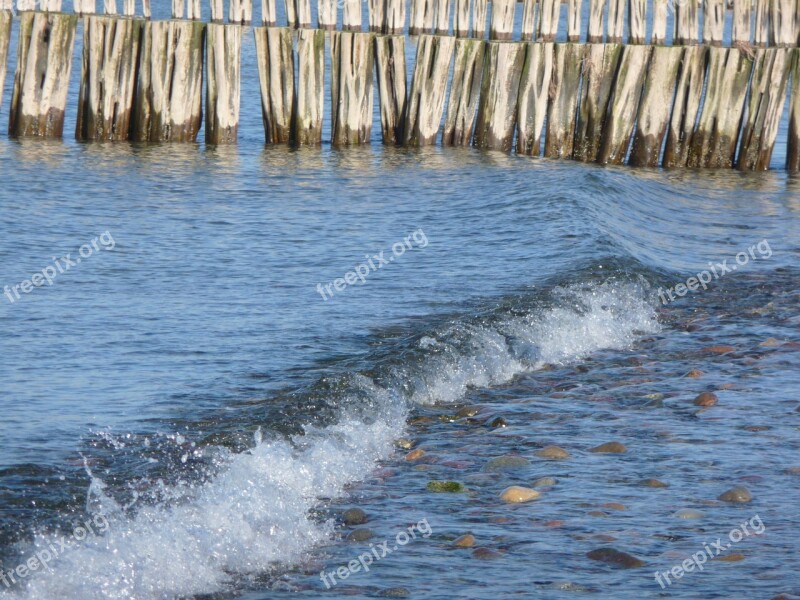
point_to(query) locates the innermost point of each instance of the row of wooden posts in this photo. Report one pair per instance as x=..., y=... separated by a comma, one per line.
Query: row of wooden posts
x=758, y=22
x=694, y=106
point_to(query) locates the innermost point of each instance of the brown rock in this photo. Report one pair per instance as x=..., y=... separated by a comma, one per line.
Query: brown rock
x=706, y=399
x=735, y=557
x=721, y=349
x=468, y=411
x=517, y=494
x=610, y=448
x=404, y=443
x=694, y=374
x=615, y=506
x=415, y=454
x=615, y=558
x=485, y=554
x=359, y=535
x=738, y=495
x=653, y=483
x=769, y=342
x=465, y=541
x=552, y=453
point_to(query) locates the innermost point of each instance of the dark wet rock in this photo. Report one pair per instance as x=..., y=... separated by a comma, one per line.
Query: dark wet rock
x=615, y=558
x=486, y=554
x=360, y=535
x=694, y=374
x=354, y=516
x=465, y=541
x=706, y=399
x=507, y=463
x=552, y=453
x=420, y=420
x=653, y=483
x=737, y=495
x=609, y=448
x=451, y=487
x=499, y=422
x=468, y=411
x=395, y=592
x=756, y=428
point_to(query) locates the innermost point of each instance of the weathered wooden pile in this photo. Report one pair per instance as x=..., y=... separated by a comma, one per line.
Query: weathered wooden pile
x=647, y=84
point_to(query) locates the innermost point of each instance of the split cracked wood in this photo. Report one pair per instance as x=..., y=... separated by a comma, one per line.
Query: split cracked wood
x=497, y=111
x=351, y=85
x=390, y=61
x=275, y=57
x=534, y=91
x=428, y=87
x=224, y=50
x=465, y=91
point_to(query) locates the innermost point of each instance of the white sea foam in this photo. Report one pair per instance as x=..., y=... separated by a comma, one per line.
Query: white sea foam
x=255, y=514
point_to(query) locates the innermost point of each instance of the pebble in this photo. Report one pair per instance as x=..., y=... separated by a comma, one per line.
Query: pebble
x=615, y=506
x=614, y=557
x=610, y=448
x=735, y=557
x=736, y=494
x=451, y=487
x=688, y=513
x=653, y=483
x=354, y=516
x=506, y=463
x=516, y=494
x=721, y=349
x=485, y=554
x=706, y=399
x=769, y=342
x=404, y=443
x=415, y=454
x=499, y=422
x=694, y=374
x=359, y=535
x=554, y=523
x=465, y=541
x=545, y=482
x=552, y=453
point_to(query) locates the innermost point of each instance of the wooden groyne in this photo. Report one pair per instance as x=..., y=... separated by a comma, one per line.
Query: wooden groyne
x=640, y=82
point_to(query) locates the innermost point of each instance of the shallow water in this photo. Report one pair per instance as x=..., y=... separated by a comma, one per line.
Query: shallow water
x=192, y=395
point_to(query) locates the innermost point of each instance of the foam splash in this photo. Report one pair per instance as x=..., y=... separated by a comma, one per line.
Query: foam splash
x=254, y=514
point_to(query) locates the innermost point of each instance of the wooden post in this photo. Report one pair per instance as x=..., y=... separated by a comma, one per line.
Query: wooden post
x=217, y=11
x=80, y=7
x=276, y=75
x=528, y=27
x=479, y=11
x=465, y=91
x=224, y=51
x=5, y=39
x=48, y=5
x=502, y=19
x=714, y=140
x=443, y=17
x=177, y=9
x=422, y=13
x=761, y=34
x=660, y=8
x=765, y=107
x=326, y=14
x=783, y=23
x=688, y=95
x=395, y=17
x=793, y=142
x=534, y=91
x=390, y=61
x=549, y=12
x=637, y=21
x=497, y=111
x=351, y=15
x=129, y=7
x=240, y=12
x=291, y=13
x=145, y=9
x=742, y=17
x=624, y=105
x=713, y=21
x=656, y=106
x=351, y=83
x=168, y=105
x=574, y=9
x=616, y=20
x=109, y=7
x=563, y=94
x=44, y=64
x=428, y=87
x=302, y=10
x=310, y=87
x=595, y=33
x=600, y=66
x=375, y=17
x=461, y=18
x=686, y=23
x=108, y=78
x=269, y=16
